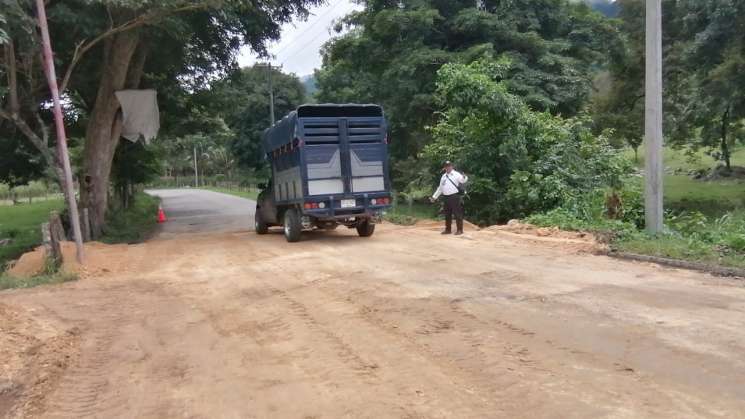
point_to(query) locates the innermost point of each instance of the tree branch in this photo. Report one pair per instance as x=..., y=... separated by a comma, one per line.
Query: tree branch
x=37, y=141
x=10, y=58
x=44, y=129
x=142, y=20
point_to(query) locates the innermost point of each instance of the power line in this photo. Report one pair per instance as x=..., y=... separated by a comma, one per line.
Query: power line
x=300, y=35
x=304, y=45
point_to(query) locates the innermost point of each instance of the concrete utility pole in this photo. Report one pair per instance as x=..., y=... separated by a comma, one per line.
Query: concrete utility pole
x=271, y=95
x=653, y=191
x=62, y=153
x=196, y=169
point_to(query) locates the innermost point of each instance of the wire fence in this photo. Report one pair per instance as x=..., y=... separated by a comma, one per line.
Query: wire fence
x=241, y=185
x=29, y=193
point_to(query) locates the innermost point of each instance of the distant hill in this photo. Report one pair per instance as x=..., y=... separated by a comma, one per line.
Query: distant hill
x=607, y=7
x=309, y=82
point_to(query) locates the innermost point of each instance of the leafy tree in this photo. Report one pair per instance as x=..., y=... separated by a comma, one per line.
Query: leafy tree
x=19, y=161
x=520, y=161
x=242, y=100
x=712, y=105
x=104, y=46
x=703, y=69
x=394, y=48
x=134, y=164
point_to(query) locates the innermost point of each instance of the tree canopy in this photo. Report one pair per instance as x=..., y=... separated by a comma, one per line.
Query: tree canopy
x=242, y=100
x=105, y=46
x=703, y=70
x=394, y=48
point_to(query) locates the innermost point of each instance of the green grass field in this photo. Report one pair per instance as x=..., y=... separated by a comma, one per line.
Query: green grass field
x=21, y=224
x=678, y=159
x=682, y=192
x=709, y=197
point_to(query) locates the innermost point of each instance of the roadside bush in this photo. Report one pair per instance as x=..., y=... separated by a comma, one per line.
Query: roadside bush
x=133, y=224
x=520, y=161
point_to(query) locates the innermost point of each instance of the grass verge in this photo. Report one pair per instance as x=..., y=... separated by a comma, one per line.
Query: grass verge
x=410, y=214
x=248, y=194
x=134, y=224
x=21, y=224
x=8, y=282
x=681, y=248
x=689, y=236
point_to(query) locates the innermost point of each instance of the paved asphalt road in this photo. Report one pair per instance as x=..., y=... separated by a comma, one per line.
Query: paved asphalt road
x=201, y=211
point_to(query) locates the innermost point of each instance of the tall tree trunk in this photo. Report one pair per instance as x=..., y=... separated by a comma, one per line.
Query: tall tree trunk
x=104, y=127
x=726, y=155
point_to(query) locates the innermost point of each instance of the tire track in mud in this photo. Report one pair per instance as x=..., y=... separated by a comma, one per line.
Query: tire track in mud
x=91, y=386
x=470, y=357
x=85, y=389
x=379, y=369
x=480, y=376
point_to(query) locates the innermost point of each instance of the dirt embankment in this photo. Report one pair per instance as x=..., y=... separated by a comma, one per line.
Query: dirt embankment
x=100, y=259
x=500, y=322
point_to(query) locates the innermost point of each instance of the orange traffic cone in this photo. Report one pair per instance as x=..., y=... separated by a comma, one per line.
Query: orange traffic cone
x=161, y=215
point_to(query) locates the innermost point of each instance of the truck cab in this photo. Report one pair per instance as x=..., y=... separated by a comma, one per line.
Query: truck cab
x=329, y=167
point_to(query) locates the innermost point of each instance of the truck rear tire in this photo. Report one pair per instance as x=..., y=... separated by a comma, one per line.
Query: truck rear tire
x=365, y=228
x=259, y=225
x=292, y=226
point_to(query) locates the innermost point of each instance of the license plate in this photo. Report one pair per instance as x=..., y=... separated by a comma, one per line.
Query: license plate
x=348, y=203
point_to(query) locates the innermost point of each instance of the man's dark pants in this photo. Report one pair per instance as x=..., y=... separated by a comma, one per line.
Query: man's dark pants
x=453, y=207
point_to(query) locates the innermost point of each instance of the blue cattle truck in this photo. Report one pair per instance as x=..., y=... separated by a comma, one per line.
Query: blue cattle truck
x=329, y=168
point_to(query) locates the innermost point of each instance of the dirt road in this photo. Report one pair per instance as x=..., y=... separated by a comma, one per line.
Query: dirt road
x=405, y=324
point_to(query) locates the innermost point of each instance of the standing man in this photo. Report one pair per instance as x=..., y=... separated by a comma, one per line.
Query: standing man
x=451, y=187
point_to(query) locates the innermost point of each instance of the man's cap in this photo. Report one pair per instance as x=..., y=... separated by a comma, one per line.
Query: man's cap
x=447, y=163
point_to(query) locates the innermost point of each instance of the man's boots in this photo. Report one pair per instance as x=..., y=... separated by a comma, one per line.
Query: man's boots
x=446, y=231
x=459, y=224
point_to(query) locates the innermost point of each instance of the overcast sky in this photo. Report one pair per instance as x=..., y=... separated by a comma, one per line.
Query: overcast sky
x=298, y=50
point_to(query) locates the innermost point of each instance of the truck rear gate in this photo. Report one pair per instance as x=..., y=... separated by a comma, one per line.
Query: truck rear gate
x=331, y=160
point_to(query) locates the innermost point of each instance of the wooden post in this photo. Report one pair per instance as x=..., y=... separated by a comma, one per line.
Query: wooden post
x=56, y=228
x=62, y=153
x=86, y=225
x=52, y=250
x=57, y=233
x=196, y=169
x=653, y=191
x=46, y=239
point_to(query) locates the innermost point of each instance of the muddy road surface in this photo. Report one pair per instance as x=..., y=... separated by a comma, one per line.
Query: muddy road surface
x=405, y=324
